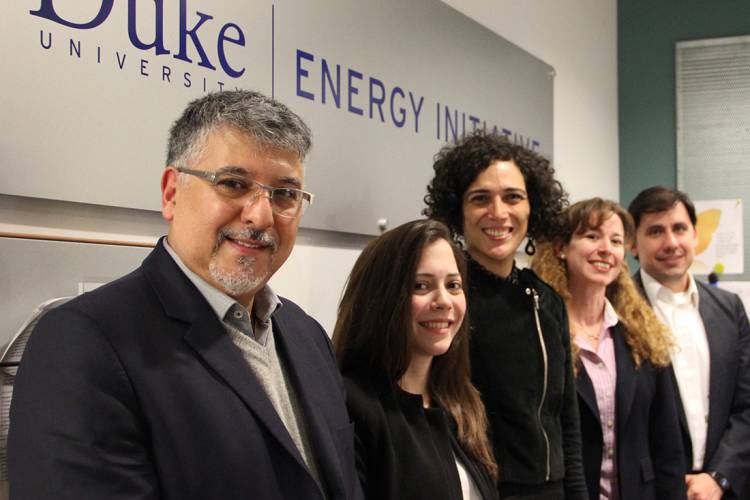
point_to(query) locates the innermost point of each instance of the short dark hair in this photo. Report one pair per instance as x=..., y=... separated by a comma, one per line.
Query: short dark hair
x=267, y=121
x=659, y=199
x=457, y=166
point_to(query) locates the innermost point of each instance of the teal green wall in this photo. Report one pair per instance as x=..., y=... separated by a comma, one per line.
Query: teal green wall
x=647, y=32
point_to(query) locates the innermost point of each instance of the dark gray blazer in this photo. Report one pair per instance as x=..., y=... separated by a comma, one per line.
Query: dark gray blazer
x=728, y=334
x=136, y=391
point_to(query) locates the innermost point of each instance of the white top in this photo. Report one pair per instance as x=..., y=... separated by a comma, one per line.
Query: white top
x=469, y=488
x=691, y=360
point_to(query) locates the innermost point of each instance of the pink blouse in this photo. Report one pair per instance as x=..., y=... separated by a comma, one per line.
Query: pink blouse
x=601, y=369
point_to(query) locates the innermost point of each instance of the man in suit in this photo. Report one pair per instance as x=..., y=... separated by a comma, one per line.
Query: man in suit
x=190, y=378
x=711, y=362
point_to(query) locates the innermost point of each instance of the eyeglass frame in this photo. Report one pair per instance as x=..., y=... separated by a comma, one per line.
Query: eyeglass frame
x=212, y=178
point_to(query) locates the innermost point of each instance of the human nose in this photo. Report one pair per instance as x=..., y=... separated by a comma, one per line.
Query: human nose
x=670, y=240
x=441, y=299
x=256, y=209
x=498, y=209
x=605, y=246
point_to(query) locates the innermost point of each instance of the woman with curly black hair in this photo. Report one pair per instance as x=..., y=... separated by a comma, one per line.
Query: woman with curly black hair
x=493, y=194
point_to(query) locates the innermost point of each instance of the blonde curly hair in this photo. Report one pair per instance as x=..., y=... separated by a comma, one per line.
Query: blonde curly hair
x=646, y=335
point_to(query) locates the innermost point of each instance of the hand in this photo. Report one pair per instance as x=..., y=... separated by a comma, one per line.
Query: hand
x=702, y=487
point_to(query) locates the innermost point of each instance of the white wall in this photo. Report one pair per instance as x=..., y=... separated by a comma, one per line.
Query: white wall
x=577, y=37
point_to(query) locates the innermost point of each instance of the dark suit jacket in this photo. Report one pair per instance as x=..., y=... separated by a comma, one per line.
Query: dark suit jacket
x=136, y=391
x=650, y=460
x=404, y=451
x=728, y=438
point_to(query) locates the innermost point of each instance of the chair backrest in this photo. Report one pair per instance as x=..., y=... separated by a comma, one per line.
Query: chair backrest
x=9, y=362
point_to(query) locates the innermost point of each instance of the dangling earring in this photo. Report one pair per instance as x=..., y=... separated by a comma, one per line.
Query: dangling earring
x=530, y=248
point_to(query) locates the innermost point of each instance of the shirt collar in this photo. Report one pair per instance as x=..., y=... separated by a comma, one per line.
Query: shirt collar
x=610, y=315
x=266, y=302
x=656, y=291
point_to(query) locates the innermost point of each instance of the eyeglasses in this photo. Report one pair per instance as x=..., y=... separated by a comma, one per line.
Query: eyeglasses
x=286, y=202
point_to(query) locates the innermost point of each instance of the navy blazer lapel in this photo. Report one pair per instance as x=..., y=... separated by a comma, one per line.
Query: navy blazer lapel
x=585, y=389
x=717, y=346
x=208, y=338
x=626, y=377
x=299, y=351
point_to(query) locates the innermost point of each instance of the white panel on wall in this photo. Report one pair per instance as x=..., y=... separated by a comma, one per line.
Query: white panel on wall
x=713, y=122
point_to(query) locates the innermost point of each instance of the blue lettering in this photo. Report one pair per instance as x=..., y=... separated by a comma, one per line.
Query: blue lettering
x=186, y=80
x=49, y=39
x=75, y=47
x=158, y=42
x=121, y=63
x=192, y=33
x=335, y=90
x=417, y=110
x=534, y=145
x=301, y=54
x=352, y=75
x=144, y=63
x=223, y=37
x=374, y=82
x=47, y=11
x=451, y=124
x=221, y=86
x=505, y=131
x=437, y=114
x=166, y=71
x=474, y=122
x=398, y=122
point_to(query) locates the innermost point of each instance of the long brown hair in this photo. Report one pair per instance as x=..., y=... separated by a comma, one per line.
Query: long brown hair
x=646, y=335
x=374, y=324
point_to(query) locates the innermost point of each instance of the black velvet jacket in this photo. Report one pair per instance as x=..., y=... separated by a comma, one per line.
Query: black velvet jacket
x=526, y=379
x=405, y=451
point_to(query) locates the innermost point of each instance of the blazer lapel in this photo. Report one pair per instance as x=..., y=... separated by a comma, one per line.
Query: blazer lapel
x=205, y=334
x=209, y=339
x=313, y=394
x=626, y=377
x=585, y=389
x=717, y=345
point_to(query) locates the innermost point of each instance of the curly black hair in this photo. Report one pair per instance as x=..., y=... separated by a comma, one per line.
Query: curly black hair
x=457, y=166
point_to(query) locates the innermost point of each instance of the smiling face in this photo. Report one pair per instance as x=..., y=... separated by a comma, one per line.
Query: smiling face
x=665, y=246
x=438, y=303
x=496, y=216
x=236, y=246
x=594, y=256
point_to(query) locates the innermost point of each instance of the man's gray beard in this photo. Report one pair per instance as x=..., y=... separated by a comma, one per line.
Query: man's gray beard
x=240, y=281
x=244, y=279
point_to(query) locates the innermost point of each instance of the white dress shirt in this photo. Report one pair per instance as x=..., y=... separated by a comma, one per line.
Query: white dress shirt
x=691, y=360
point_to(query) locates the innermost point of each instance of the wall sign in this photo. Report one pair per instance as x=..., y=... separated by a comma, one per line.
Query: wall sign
x=92, y=86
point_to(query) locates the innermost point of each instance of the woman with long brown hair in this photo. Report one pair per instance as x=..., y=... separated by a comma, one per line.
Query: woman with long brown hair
x=629, y=423
x=402, y=345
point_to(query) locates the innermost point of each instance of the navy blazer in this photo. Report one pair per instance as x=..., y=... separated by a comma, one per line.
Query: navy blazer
x=650, y=459
x=136, y=391
x=728, y=436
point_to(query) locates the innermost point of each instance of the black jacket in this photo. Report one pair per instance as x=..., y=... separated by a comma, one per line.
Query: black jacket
x=527, y=385
x=135, y=390
x=650, y=461
x=403, y=450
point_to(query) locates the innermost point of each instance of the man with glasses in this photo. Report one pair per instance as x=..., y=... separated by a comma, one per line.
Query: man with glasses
x=190, y=378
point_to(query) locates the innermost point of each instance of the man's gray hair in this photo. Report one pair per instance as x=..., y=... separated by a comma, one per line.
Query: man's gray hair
x=266, y=120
